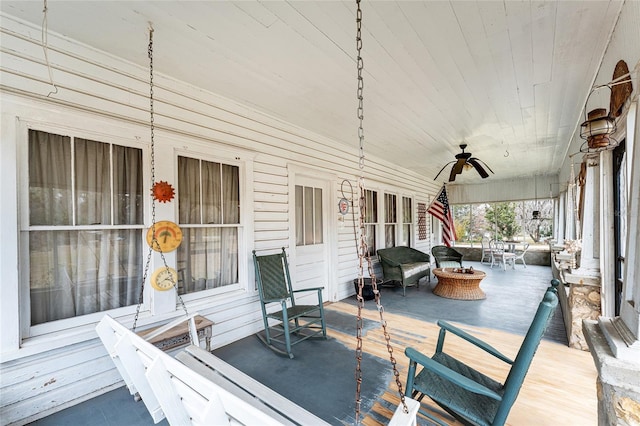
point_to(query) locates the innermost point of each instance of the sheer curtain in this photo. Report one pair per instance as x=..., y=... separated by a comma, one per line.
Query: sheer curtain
x=209, y=199
x=76, y=272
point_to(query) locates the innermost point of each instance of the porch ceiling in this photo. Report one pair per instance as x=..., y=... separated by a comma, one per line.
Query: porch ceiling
x=509, y=78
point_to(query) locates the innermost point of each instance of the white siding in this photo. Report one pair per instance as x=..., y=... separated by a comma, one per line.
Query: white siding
x=103, y=95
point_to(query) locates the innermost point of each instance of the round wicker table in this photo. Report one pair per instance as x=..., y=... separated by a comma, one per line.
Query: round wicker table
x=456, y=285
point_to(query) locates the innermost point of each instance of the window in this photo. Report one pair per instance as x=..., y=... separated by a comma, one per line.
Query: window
x=620, y=195
x=209, y=215
x=507, y=221
x=390, y=220
x=407, y=222
x=371, y=220
x=309, y=226
x=85, y=226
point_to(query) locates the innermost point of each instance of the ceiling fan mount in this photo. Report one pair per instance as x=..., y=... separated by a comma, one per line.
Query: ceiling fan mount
x=465, y=160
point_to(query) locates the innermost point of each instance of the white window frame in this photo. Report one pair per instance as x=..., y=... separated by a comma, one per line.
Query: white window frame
x=24, y=340
x=316, y=219
x=232, y=158
x=412, y=224
x=22, y=137
x=379, y=239
x=384, y=218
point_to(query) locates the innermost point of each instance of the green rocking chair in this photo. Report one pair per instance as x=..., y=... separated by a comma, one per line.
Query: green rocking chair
x=278, y=303
x=468, y=395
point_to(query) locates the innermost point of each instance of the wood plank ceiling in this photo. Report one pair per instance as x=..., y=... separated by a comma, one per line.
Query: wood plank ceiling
x=509, y=78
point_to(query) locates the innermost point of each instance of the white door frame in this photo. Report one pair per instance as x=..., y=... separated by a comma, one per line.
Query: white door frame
x=327, y=181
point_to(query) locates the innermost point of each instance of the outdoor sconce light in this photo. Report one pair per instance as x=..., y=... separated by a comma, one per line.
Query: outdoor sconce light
x=597, y=128
x=535, y=214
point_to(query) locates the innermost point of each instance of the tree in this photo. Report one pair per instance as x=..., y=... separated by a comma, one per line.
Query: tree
x=540, y=227
x=502, y=216
x=461, y=221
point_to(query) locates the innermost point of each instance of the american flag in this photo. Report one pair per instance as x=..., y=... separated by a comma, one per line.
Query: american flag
x=440, y=209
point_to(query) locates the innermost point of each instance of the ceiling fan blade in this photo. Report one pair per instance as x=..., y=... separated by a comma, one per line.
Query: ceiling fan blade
x=457, y=169
x=478, y=168
x=483, y=163
x=475, y=162
x=445, y=166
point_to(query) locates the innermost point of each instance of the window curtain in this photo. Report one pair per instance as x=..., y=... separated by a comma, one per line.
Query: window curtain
x=390, y=219
x=209, y=194
x=78, y=272
x=370, y=219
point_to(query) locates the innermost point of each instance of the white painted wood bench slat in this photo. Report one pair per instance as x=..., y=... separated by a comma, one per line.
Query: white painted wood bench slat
x=197, y=394
x=136, y=363
x=400, y=418
x=265, y=394
x=232, y=387
x=131, y=368
x=168, y=396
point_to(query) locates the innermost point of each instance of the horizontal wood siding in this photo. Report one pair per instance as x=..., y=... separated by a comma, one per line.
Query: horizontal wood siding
x=108, y=90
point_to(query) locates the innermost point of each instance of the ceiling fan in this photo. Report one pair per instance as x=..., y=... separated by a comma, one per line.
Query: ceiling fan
x=464, y=160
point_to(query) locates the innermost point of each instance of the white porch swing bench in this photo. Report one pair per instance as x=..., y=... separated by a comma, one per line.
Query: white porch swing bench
x=198, y=388
x=195, y=387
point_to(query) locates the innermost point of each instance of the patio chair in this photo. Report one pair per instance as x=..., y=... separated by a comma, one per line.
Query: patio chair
x=500, y=256
x=520, y=254
x=446, y=257
x=486, y=250
x=465, y=393
x=278, y=303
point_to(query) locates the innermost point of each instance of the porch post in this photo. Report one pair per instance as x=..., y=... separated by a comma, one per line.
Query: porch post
x=588, y=274
x=607, y=234
x=560, y=218
x=590, y=220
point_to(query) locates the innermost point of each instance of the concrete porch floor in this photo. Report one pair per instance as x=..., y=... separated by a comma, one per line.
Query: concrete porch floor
x=560, y=388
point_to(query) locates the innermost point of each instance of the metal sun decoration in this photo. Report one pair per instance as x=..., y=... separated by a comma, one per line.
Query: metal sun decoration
x=163, y=192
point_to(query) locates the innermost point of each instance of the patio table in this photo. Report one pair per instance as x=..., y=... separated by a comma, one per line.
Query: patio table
x=459, y=285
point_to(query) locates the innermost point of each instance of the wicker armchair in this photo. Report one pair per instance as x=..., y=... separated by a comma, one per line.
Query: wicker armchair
x=447, y=257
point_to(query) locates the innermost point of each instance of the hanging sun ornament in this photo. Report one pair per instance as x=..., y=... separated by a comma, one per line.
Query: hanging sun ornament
x=163, y=191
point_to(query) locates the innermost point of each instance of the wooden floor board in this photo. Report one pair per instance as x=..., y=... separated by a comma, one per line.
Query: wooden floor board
x=558, y=390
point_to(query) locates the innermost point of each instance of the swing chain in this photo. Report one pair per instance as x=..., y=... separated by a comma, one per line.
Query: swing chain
x=154, y=240
x=362, y=245
x=363, y=251
x=360, y=64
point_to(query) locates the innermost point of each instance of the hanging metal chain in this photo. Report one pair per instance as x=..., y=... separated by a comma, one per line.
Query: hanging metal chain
x=363, y=250
x=360, y=65
x=154, y=240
